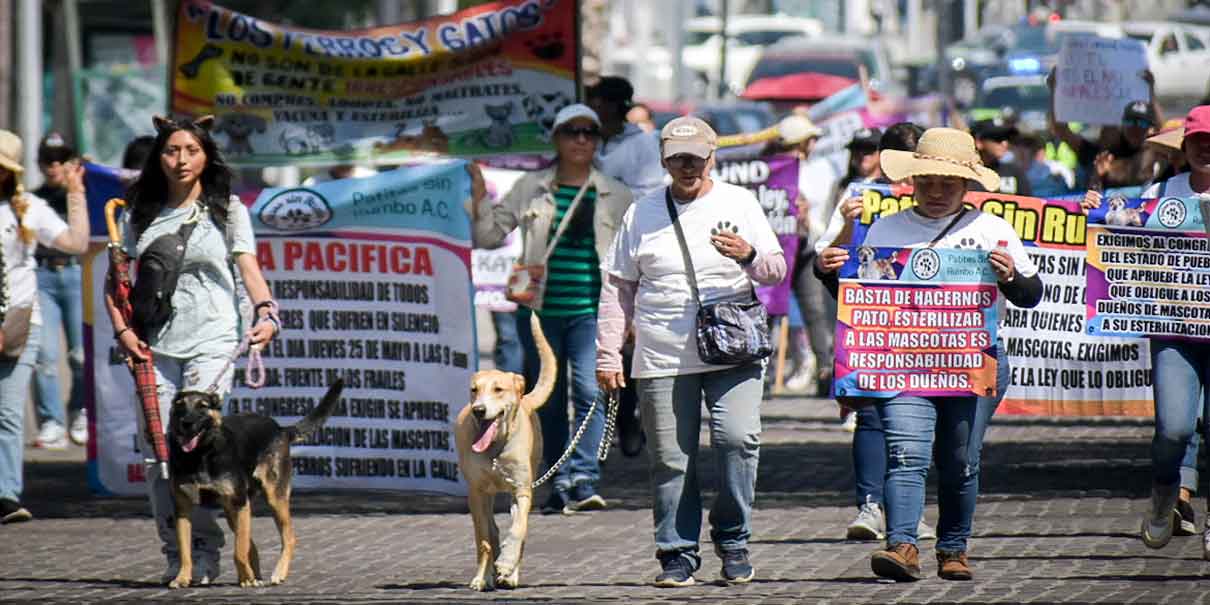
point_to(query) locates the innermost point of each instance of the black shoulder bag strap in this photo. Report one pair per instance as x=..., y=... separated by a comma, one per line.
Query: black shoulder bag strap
x=680, y=238
x=948, y=227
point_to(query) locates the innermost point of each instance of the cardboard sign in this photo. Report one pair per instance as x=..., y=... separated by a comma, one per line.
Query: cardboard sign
x=1097, y=78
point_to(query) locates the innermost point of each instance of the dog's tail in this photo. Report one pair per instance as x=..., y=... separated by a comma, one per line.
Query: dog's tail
x=550, y=366
x=318, y=416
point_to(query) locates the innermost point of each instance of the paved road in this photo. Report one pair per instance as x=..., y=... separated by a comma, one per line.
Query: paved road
x=1056, y=523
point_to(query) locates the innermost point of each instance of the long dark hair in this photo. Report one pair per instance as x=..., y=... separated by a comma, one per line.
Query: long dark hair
x=148, y=194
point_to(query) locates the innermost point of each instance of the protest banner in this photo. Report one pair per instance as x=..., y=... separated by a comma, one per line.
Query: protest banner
x=774, y=181
x=491, y=268
x=1057, y=367
x=485, y=80
x=373, y=279
x=1148, y=269
x=1096, y=78
x=115, y=106
x=916, y=321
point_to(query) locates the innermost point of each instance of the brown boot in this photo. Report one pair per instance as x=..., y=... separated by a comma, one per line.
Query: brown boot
x=953, y=566
x=899, y=562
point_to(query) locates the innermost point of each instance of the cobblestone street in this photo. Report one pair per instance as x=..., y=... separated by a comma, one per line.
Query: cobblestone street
x=1057, y=522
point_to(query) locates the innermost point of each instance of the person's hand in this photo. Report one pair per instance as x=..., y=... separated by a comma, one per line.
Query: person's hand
x=1103, y=163
x=832, y=259
x=1002, y=263
x=731, y=245
x=262, y=332
x=73, y=177
x=1092, y=199
x=478, y=186
x=851, y=208
x=135, y=348
x=611, y=381
x=804, y=217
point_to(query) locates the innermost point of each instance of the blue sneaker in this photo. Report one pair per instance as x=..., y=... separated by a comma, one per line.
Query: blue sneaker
x=583, y=497
x=736, y=568
x=678, y=572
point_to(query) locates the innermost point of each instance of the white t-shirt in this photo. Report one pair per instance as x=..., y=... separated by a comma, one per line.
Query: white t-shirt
x=974, y=231
x=1177, y=186
x=19, y=263
x=816, y=180
x=646, y=251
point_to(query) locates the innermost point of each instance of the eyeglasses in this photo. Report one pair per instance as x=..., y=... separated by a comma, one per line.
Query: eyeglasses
x=588, y=132
x=682, y=161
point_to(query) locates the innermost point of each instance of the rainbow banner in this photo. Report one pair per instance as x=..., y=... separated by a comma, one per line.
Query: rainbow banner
x=916, y=321
x=483, y=81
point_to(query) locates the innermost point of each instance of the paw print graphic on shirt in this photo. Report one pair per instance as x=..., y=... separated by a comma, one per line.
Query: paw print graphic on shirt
x=969, y=243
x=724, y=226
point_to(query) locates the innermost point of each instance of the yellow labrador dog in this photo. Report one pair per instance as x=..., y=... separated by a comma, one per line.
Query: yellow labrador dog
x=501, y=423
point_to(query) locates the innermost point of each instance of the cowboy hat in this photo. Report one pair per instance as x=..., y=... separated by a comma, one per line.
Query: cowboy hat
x=942, y=152
x=10, y=152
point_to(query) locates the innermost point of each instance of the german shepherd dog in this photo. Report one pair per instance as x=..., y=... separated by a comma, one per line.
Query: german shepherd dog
x=228, y=460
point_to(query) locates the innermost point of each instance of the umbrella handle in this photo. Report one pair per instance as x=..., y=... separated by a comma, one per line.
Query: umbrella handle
x=111, y=224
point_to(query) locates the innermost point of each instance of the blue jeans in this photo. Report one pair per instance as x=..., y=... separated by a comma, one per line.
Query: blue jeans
x=574, y=340
x=508, y=355
x=671, y=412
x=1180, y=371
x=14, y=388
x=869, y=456
x=62, y=304
x=958, y=424
x=1189, y=474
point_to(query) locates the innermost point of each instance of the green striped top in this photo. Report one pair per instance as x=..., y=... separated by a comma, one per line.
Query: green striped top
x=573, y=275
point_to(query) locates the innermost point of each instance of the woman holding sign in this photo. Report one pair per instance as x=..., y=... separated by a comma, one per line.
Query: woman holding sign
x=943, y=165
x=1181, y=367
x=184, y=190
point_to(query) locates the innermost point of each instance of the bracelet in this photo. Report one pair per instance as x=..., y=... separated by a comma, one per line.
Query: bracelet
x=118, y=335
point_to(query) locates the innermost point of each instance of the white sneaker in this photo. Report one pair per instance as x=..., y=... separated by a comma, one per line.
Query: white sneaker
x=79, y=428
x=924, y=531
x=52, y=436
x=868, y=524
x=850, y=423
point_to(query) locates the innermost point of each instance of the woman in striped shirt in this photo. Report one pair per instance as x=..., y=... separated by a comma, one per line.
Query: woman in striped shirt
x=568, y=215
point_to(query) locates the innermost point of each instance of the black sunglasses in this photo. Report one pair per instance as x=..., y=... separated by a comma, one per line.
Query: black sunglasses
x=588, y=132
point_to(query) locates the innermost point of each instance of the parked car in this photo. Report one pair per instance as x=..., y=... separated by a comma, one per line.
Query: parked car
x=747, y=36
x=841, y=59
x=1024, y=99
x=1178, y=55
x=726, y=118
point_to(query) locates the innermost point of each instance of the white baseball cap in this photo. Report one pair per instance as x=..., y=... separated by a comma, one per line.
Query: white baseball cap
x=573, y=111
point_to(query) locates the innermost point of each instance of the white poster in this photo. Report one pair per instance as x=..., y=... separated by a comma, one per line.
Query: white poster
x=1096, y=78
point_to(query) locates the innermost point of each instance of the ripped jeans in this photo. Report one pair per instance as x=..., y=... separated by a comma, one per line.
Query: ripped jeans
x=958, y=425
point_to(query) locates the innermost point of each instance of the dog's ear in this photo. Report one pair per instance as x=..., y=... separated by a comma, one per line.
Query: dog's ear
x=519, y=385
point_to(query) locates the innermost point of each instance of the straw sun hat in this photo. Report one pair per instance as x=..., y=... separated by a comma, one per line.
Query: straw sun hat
x=10, y=152
x=941, y=152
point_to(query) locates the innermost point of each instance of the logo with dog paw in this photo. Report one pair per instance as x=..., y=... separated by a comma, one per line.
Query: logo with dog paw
x=724, y=226
x=1172, y=212
x=296, y=210
x=926, y=264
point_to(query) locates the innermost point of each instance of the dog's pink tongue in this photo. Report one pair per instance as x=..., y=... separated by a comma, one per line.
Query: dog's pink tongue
x=485, y=440
x=188, y=447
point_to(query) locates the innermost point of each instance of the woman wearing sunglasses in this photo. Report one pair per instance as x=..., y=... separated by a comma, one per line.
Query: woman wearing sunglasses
x=568, y=215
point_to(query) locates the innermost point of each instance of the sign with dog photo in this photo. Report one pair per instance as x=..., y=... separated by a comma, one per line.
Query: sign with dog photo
x=916, y=321
x=483, y=81
x=1057, y=367
x=1148, y=269
x=373, y=279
